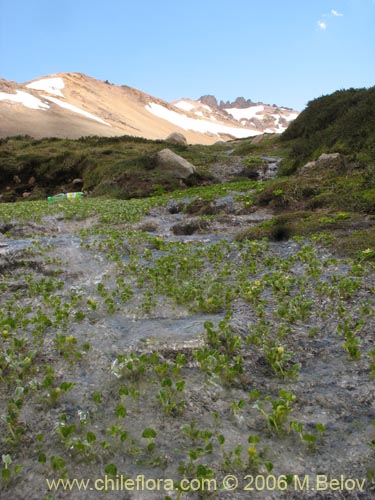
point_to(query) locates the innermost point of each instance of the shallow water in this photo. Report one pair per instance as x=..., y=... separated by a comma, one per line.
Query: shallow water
x=331, y=389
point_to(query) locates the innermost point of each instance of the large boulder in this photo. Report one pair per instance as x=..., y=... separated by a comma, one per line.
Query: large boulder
x=324, y=162
x=176, y=138
x=168, y=161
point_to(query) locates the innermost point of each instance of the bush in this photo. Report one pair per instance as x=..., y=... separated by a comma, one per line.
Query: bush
x=342, y=122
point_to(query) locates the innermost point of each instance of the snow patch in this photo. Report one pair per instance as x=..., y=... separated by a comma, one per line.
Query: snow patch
x=50, y=85
x=186, y=106
x=202, y=126
x=75, y=109
x=278, y=126
x=291, y=117
x=246, y=113
x=28, y=100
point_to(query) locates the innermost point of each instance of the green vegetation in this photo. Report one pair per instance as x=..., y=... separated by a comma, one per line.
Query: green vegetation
x=47, y=316
x=99, y=296
x=116, y=167
x=340, y=122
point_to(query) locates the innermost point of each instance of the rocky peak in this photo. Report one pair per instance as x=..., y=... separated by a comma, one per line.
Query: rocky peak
x=239, y=103
x=209, y=100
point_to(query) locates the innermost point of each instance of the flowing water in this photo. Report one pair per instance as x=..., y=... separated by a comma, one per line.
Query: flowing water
x=330, y=389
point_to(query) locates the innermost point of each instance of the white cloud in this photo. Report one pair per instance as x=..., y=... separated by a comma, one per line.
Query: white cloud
x=322, y=23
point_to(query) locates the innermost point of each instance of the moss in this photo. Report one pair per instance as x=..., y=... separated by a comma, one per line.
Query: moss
x=351, y=190
x=244, y=148
x=99, y=161
x=356, y=243
x=339, y=122
x=289, y=192
x=303, y=223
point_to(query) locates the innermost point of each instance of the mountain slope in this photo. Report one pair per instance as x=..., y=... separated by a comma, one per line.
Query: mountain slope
x=72, y=105
x=340, y=122
x=265, y=117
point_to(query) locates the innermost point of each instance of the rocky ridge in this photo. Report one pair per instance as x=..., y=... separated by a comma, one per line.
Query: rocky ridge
x=74, y=105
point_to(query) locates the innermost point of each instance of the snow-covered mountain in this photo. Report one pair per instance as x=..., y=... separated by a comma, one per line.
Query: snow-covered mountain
x=73, y=105
x=263, y=118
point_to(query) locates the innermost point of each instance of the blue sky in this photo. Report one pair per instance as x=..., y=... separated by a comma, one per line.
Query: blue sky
x=285, y=52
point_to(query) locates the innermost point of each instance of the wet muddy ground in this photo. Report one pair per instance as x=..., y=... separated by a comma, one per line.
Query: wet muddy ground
x=165, y=348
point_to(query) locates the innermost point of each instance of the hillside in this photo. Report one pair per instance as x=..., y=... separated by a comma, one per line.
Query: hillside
x=341, y=122
x=117, y=167
x=73, y=105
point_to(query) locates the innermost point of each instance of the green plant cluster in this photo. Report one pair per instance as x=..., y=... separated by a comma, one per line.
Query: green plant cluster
x=340, y=122
x=45, y=316
x=116, y=167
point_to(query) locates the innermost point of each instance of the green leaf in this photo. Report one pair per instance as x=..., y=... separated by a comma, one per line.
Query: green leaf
x=6, y=460
x=320, y=428
x=111, y=469
x=123, y=436
x=123, y=391
x=97, y=397
x=253, y=439
x=220, y=439
x=120, y=411
x=90, y=436
x=5, y=474
x=309, y=438
x=289, y=478
x=57, y=463
x=268, y=466
x=149, y=433
x=166, y=382
x=67, y=386
x=151, y=447
x=180, y=385
x=255, y=394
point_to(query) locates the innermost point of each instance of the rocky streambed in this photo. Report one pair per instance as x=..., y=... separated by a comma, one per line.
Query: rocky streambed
x=148, y=341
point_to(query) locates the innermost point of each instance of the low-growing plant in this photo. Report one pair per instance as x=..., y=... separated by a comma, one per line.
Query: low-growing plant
x=277, y=413
x=9, y=470
x=170, y=396
x=279, y=359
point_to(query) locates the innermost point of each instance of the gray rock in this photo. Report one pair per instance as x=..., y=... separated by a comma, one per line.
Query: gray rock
x=225, y=205
x=177, y=166
x=77, y=181
x=325, y=161
x=329, y=157
x=190, y=227
x=176, y=138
